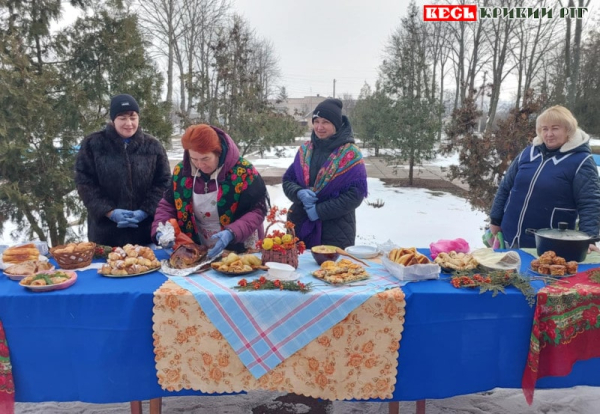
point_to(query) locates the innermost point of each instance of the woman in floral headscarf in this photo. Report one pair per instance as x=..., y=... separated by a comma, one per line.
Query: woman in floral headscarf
x=217, y=197
x=327, y=181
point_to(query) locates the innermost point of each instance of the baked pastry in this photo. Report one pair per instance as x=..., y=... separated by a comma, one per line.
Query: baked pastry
x=571, y=267
x=559, y=260
x=27, y=268
x=557, y=270
x=20, y=254
x=535, y=264
x=544, y=269
x=187, y=255
x=130, y=259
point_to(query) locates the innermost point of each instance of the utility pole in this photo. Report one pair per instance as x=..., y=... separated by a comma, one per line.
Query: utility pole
x=481, y=104
x=334, y=88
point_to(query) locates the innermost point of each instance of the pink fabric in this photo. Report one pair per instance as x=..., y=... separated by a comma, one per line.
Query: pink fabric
x=444, y=246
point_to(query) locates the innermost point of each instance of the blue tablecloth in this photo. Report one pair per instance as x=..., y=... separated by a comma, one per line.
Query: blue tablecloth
x=93, y=341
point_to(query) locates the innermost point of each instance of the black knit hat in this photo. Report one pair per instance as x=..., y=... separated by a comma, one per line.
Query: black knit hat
x=331, y=110
x=122, y=103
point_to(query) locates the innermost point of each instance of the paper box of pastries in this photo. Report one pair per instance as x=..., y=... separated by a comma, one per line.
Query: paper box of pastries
x=407, y=264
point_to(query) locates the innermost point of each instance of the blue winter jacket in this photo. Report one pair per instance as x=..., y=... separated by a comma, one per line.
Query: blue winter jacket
x=541, y=189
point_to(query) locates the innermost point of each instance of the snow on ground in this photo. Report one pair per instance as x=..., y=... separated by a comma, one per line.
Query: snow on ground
x=409, y=216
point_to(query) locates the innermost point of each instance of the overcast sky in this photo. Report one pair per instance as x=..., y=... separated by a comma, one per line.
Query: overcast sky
x=318, y=41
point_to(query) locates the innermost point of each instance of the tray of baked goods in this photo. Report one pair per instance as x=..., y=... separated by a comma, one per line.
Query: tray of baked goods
x=549, y=264
x=129, y=260
x=234, y=265
x=19, y=254
x=340, y=273
x=407, y=264
x=456, y=261
x=27, y=268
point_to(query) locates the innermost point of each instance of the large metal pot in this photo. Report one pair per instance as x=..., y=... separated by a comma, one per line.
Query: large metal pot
x=570, y=244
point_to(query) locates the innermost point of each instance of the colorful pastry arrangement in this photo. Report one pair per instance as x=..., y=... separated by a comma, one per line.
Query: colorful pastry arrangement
x=551, y=264
x=130, y=259
x=344, y=271
x=456, y=261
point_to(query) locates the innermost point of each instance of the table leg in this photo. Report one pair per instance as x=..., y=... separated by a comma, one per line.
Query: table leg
x=421, y=407
x=394, y=407
x=156, y=406
x=136, y=407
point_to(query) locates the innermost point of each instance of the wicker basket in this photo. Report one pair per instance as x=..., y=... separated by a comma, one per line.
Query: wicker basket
x=75, y=259
x=288, y=256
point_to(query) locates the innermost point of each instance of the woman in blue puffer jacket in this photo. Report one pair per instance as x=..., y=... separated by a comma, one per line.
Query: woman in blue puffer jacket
x=555, y=179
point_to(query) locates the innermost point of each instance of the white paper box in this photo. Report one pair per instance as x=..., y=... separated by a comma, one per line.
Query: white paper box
x=412, y=273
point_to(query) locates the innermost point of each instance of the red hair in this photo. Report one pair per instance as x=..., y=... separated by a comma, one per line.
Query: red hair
x=201, y=138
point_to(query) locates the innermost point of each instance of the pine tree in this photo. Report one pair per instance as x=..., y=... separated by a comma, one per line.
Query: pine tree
x=405, y=74
x=53, y=93
x=484, y=159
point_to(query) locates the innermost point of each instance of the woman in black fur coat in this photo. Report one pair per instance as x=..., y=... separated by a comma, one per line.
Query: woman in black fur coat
x=121, y=174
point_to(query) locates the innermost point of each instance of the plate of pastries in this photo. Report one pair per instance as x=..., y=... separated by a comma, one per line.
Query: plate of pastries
x=19, y=254
x=238, y=265
x=341, y=272
x=28, y=268
x=129, y=260
x=549, y=264
x=456, y=261
x=49, y=280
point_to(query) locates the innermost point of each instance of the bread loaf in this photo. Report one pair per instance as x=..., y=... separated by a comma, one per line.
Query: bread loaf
x=19, y=254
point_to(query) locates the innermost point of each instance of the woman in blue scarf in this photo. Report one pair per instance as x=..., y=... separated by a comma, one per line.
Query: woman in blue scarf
x=327, y=181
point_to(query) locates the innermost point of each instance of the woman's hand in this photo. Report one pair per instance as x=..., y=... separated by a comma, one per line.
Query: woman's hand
x=223, y=238
x=593, y=248
x=307, y=197
x=495, y=229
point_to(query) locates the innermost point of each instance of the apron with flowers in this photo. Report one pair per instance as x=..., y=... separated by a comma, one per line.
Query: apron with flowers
x=240, y=191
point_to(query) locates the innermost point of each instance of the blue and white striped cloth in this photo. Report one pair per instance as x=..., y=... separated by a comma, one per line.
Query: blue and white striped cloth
x=265, y=327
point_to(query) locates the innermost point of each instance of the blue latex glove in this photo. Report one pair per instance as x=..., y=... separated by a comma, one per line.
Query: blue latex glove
x=119, y=215
x=167, y=245
x=307, y=197
x=312, y=212
x=223, y=238
x=137, y=216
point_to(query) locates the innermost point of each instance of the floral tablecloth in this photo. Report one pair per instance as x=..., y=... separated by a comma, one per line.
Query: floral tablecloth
x=355, y=359
x=266, y=328
x=7, y=386
x=566, y=328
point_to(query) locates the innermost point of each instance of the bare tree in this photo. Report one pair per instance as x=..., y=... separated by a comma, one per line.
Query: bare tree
x=467, y=53
x=499, y=37
x=574, y=72
x=534, y=40
x=203, y=20
x=162, y=20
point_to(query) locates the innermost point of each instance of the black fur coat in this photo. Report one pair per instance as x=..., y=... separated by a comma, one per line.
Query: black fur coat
x=111, y=175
